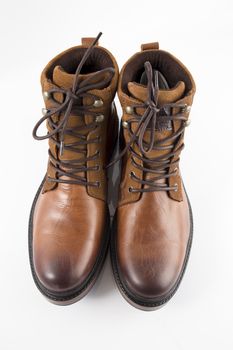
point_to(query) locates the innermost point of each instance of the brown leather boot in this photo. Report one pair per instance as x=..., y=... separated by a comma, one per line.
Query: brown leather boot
x=69, y=222
x=152, y=230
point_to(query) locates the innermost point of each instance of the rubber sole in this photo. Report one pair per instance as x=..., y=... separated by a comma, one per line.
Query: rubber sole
x=134, y=300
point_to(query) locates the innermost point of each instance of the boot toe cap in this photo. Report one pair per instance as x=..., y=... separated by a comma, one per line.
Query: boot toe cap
x=59, y=274
x=152, y=276
x=151, y=283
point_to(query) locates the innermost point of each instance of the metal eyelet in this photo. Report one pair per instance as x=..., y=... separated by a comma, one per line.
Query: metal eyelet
x=175, y=170
x=176, y=185
x=46, y=95
x=130, y=189
x=186, y=109
x=99, y=118
x=98, y=184
x=129, y=110
x=97, y=167
x=44, y=111
x=98, y=103
x=183, y=109
x=125, y=124
x=132, y=173
x=187, y=122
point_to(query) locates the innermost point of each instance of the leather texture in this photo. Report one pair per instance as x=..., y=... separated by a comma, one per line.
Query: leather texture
x=152, y=236
x=67, y=236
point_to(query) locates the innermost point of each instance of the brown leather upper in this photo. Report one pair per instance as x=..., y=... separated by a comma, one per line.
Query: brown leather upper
x=68, y=230
x=70, y=219
x=152, y=236
x=152, y=228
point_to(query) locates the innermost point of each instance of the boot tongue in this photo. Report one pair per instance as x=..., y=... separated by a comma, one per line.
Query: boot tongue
x=165, y=96
x=65, y=80
x=61, y=78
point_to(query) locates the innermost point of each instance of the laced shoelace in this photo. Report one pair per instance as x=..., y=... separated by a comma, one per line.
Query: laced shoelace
x=62, y=111
x=153, y=116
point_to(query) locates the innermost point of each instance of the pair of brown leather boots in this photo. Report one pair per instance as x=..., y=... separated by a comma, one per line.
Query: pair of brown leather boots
x=70, y=225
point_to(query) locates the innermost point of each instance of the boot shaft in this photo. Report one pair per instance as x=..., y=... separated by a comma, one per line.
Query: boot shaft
x=78, y=87
x=156, y=92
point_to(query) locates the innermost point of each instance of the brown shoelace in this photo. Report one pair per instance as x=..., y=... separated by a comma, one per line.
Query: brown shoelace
x=153, y=117
x=72, y=103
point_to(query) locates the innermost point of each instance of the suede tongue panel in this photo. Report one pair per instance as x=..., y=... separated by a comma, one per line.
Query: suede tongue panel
x=65, y=80
x=139, y=92
x=172, y=95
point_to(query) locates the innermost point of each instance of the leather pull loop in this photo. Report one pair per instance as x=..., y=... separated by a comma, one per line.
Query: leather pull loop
x=150, y=46
x=88, y=41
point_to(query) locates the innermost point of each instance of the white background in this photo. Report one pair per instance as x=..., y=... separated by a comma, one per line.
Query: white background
x=200, y=34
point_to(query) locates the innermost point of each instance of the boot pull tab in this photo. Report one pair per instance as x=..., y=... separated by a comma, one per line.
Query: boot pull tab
x=150, y=46
x=88, y=41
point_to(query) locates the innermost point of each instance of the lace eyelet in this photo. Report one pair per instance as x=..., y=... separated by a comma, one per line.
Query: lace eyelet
x=129, y=110
x=132, y=173
x=130, y=189
x=46, y=95
x=187, y=122
x=98, y=103
x=99, y=118
x=44, y=111
x=186, y=109
x=176, y=187
x=125, y=124
x=97, y=167
x=98, y=184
